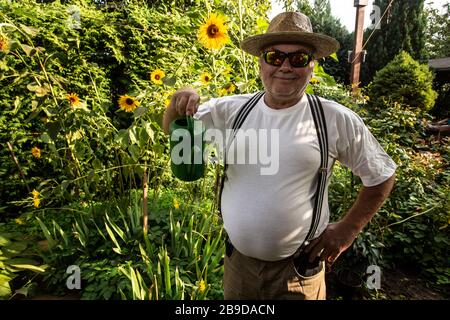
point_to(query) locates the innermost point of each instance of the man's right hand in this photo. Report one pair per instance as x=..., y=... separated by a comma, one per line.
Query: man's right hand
x=184, y=102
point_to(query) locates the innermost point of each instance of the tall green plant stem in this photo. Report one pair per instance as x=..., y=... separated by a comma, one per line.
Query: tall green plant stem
x=18, y=165
x=241, y=37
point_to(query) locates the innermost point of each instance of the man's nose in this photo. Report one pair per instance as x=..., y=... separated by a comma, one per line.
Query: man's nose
x=286, y=66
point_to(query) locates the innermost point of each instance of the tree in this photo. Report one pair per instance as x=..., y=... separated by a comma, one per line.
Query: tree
x=438, y=32
x=402, y=29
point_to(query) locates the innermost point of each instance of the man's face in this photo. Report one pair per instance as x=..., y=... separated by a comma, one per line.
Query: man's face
x=285, y=84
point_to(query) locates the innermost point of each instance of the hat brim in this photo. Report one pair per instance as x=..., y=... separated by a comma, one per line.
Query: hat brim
x=323, y=45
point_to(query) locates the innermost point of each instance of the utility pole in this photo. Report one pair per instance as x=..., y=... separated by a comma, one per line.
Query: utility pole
x=356, y=57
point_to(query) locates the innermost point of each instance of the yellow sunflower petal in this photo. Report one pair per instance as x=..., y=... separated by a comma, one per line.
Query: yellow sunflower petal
x=128, y=104
x=4, y=43
x=157, y=75
x=205, y=78
x=36, y=152
x=73, y=98
x=212, y=34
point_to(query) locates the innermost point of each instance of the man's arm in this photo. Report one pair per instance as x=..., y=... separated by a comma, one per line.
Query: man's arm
x=184, y=102
x=339, y=236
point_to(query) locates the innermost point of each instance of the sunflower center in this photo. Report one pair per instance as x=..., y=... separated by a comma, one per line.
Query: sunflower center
x=157, y=77
x=206, y=78
x=129, y=101
x=212, y=30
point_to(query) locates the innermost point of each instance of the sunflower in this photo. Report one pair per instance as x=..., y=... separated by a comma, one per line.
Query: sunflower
x=314, y=80
x=4, y=43
x=157, y=75
x=127, y=103
x=222, y=92
x=230, y=88
x=73, y=99
x=36, y=152
x=226, y=71
x=205, y=78
x=213, y=33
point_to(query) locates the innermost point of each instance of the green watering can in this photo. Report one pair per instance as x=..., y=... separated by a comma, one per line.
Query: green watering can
x=186, y=148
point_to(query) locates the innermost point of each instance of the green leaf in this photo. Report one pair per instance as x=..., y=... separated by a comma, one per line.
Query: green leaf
x=47, y=234
x=170, y=81
x=61, y=231
x=46, y=138
x=5, y=289
x=113, y=238
x=97, y=164
x=14, y=248
x=32, y=86
x=28, y=267
x=135, y=151
x=21, y=261
x=116, y=228
x=140, y=111
x=29, y=51
x=149, y=130
x=143, y=138
x=17, y=104
x=3, y=241
x=122, y=137
x=133, y=135
x=53, y=129
x=29, y=30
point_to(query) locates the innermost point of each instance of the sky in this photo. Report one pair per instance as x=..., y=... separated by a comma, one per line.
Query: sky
x=344, y=10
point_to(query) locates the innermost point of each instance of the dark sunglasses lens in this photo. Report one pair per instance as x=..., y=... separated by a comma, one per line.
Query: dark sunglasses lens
x=274, y=58
x=299, y=60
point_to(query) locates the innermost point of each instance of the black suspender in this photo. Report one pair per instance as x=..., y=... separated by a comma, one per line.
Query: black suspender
x=321, y=129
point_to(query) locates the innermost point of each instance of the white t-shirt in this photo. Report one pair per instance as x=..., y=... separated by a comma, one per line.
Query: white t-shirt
x=267, y=216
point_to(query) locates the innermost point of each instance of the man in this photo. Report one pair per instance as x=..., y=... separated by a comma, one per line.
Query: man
x=272, y=253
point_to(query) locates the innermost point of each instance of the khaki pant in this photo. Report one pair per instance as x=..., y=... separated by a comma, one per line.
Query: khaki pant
x=253, y=279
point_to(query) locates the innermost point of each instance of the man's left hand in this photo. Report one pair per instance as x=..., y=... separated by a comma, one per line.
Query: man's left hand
x=336, y=238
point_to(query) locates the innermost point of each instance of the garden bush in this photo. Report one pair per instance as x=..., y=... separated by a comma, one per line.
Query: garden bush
x=405, y=81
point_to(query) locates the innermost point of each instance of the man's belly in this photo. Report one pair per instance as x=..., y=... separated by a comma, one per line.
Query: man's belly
x=265, y=223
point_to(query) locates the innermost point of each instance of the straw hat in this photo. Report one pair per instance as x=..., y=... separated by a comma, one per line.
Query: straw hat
x=291, y=27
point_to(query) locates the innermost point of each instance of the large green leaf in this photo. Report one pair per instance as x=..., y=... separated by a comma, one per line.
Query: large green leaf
x=28, y=267
x=122, y=137
x=14, y=248
x=5, y=289
x=3, y=240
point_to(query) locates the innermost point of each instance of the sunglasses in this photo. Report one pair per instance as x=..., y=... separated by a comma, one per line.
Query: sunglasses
x=297, y=59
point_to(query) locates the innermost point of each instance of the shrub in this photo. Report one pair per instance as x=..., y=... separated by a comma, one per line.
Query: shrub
x=405, y=81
